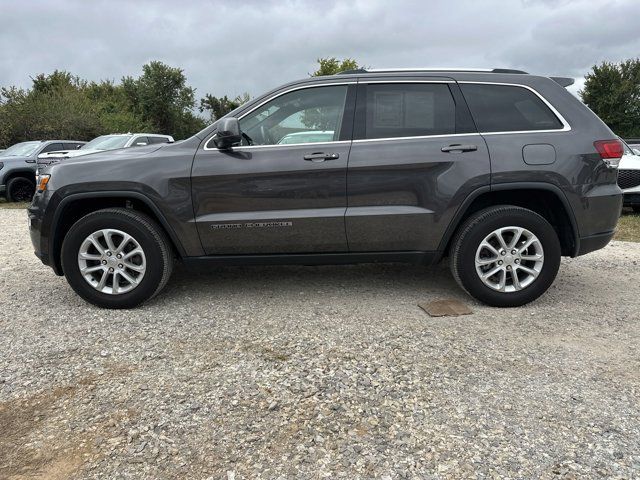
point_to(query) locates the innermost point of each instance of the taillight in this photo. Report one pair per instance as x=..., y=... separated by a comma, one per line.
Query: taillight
x=610, y=151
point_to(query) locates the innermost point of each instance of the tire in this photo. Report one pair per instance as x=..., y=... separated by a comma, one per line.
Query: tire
x=156, y=259
x=20, y=189
x=469, y=252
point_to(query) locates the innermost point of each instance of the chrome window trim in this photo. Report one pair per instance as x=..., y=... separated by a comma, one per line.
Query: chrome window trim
x=253, y=147
x=565, y=125
x=292, y=89
x=443, y=135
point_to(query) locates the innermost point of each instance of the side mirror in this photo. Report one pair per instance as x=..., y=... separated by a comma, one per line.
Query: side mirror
x=228, y=133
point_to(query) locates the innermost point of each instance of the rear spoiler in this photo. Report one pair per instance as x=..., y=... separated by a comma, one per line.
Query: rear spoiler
x=563, y=81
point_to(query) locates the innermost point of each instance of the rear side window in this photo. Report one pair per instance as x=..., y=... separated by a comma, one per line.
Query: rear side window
x=72, y=146
x=409, y=110
x=140, y=141
x=52, y=147
x=158, y=139
x=505, y=108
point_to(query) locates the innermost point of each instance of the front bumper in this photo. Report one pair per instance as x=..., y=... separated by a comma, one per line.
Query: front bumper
x=37, y=229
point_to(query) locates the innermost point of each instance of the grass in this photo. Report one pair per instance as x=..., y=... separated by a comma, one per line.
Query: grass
x=628, y=226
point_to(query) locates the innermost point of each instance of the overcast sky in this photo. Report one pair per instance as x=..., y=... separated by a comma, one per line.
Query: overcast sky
x=237, y=46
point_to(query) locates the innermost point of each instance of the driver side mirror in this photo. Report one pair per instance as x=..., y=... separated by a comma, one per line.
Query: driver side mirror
x=228, y=133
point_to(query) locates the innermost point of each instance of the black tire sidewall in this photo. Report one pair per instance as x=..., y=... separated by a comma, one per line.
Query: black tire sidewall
x=520, y=218
x=153, y=255
x=11, y=185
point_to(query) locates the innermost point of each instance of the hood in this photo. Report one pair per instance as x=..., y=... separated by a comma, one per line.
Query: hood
x=16, y=159
x=93, y=154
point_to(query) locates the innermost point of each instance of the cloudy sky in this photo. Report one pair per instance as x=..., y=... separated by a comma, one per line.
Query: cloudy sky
x=230, y=47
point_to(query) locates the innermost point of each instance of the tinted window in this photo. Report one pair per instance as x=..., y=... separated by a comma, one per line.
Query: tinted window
x=502, y=108
x=409, y=110
x=72, y=146
x=139, y=140
x=311, y=115
x=52, y=147
x=158, y=139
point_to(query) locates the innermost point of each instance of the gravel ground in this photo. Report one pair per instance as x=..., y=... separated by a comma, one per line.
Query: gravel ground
x=316, y=372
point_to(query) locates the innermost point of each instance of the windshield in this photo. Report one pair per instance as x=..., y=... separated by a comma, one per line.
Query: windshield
x=23, y=149
x=107, y=142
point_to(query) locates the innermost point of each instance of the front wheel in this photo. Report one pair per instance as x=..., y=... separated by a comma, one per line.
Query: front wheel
x=505, y=256
x=116, y=258
x=20, y=189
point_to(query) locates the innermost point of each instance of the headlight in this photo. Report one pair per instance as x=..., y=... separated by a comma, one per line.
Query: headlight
x=42, y=181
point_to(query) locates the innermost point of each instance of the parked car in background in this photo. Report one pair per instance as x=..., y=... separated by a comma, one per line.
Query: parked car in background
x=108, y=142
x=18, y=166
x=500, y=171
x=629, y=176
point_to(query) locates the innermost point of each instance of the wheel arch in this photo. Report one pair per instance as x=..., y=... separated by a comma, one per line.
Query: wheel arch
x=75, y=206
x=550, y=202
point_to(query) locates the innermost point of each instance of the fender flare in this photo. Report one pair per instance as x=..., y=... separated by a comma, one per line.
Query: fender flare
x=124, y=194
x=550, y=187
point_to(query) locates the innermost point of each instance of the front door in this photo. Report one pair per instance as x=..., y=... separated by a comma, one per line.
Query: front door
x=283, y=190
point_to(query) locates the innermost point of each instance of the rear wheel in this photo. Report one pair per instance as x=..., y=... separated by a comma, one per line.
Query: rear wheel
x=116, y=258
x=505, y=256
x=20, y=189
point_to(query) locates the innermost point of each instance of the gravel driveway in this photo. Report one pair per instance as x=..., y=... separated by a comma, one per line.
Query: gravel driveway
x=319, y=372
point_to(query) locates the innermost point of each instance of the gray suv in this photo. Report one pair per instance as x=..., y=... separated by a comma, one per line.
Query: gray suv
x=500, y=171
x=18, y=166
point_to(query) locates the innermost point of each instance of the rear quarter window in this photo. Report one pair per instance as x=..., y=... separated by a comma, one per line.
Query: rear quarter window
x=506, y=108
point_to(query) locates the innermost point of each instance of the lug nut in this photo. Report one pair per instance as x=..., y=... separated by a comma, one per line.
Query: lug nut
x=513, y=252
x=517, y=260
x=502, y=252
x=119, y=265
x=111, y=270
x=508, y=267
x=108, y=254
x=500, y=262
x=118, y=256
x=104, y=262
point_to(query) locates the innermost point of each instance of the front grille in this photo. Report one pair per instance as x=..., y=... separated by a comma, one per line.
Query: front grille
x=628, y=178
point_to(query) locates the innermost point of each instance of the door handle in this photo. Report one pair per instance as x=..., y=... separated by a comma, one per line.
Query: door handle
x=321, y=157
x=457, y=148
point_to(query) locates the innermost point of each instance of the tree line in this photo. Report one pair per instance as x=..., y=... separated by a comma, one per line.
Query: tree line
x=62, y=105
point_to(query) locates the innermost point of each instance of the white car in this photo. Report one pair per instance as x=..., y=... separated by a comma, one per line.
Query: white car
x=108, y=142
x=629, y=177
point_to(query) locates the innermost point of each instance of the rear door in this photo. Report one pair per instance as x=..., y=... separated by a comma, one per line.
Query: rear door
x=284, y=189
x=415, y=157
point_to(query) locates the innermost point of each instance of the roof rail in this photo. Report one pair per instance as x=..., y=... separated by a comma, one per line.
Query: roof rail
x=441, y=69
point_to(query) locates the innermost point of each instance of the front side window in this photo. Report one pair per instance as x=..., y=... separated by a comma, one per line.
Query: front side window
x=409, y=110
x=311, y=115
x=507, y=108
x=52, y=147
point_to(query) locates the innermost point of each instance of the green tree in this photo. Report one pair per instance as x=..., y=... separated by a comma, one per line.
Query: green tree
x=612, y=91
x=163, y=99
x=218, y=107
x=331, y=66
